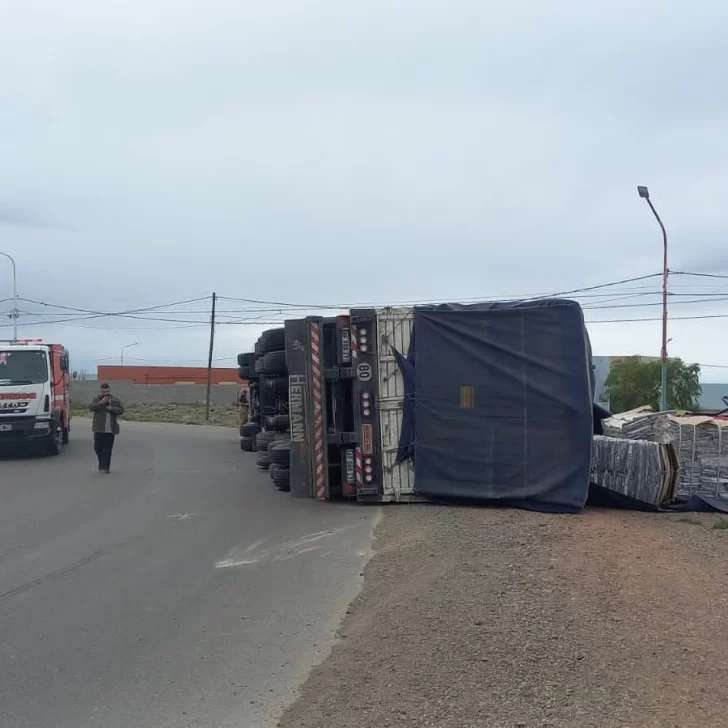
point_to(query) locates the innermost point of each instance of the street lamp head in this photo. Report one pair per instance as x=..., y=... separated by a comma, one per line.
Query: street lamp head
x=643, y=192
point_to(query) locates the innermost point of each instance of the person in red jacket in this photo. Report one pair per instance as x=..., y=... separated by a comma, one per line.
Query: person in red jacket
x=243, y=405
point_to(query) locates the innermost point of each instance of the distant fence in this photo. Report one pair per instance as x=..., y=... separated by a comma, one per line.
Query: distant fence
x=129, y=393
x=165, y=375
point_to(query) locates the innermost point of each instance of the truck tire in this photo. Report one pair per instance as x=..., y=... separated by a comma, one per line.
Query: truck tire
x=274, y=362
x=261, y=460
x=279, y=423
x=65, y=434
x=249, y=429
x=281, y=477
x=279, y=384
x=262, y=440
x=272, y=340
x=278, y=439
x=280, y=453
x=247, y=444
x=54, y=442
x=244, y=372
x=258, y=366
x=244, y=360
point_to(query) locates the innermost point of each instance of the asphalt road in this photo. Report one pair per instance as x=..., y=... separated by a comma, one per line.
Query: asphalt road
x=181, y=590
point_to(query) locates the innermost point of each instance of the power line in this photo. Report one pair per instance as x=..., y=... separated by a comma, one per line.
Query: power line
x=369, y=304
x=672, y=318
x=115, y=313
x=171, y=313
x=93, y=314
x=697, y=275
x=656, y=303
x=605, y=285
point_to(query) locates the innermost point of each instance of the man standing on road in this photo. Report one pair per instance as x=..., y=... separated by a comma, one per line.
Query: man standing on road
x=106, y=411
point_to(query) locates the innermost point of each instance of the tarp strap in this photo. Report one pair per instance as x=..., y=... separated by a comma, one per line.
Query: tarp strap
x=406, y=445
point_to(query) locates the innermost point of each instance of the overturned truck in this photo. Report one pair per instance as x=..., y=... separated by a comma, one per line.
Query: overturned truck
x=491, y=402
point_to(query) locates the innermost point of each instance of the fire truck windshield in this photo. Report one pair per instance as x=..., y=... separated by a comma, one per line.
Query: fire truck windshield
x=23, y=367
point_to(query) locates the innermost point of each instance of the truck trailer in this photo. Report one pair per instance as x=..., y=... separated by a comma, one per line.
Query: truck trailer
x=489, y=402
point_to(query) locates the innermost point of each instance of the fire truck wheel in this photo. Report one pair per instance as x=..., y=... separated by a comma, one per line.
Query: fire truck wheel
x=54, y=443
x=247, y=444
x=274, y=362
x=249, y=429
x=280, y=453
x=262, y=461
x=272, y=340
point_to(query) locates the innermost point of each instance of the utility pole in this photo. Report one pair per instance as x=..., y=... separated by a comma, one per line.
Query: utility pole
x=209, y=357
x=644, y=193
x=14, y=314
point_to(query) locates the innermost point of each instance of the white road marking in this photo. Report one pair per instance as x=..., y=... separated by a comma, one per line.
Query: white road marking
x=250, y=555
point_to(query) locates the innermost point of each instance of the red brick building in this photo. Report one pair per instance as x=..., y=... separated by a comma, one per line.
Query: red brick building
x=166, y=375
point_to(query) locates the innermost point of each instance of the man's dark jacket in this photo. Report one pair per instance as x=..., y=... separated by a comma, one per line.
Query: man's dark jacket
x=98, y=407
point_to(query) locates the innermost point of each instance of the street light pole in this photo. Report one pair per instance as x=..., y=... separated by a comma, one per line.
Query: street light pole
x=14, y=314
x=644, y=193
x=123, y=348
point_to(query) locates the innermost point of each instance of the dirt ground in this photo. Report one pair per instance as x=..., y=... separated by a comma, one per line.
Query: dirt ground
x=482, y=617
x=185, y=414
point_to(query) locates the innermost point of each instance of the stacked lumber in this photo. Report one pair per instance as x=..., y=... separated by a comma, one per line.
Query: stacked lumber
x=701, y=444
x=647, y=472
x=638, y=424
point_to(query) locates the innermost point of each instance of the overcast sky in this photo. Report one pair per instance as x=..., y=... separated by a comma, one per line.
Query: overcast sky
x=337, y=152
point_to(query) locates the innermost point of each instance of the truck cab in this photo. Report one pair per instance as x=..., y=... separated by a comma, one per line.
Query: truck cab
x=35, y=406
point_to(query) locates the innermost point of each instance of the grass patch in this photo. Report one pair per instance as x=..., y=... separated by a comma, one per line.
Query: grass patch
x=692, y=520
x=181, y=414
x=721, y=524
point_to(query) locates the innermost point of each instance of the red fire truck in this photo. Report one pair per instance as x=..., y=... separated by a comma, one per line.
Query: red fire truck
x=35, y=401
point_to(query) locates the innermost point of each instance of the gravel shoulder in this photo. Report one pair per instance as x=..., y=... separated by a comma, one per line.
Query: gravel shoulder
x=483, y=617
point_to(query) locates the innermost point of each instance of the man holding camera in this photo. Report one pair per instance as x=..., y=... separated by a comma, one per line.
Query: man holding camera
x=106, y=410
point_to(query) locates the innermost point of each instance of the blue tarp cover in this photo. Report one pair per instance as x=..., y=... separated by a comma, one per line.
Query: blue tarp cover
x=499, y=403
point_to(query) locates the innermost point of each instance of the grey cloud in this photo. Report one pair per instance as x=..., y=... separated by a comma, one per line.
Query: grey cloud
x=24, y=217
x=444, y=149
